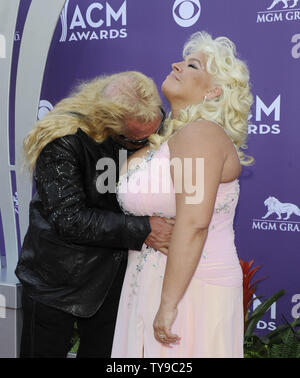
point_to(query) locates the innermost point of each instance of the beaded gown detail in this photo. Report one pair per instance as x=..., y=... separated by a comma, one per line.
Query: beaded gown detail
x=210, y=314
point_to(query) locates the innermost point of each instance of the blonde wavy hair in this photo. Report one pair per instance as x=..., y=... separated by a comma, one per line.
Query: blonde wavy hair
x=99, y=107
x=230, y=109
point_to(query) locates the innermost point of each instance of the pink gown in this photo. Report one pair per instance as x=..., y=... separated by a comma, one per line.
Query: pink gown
x=210, y=314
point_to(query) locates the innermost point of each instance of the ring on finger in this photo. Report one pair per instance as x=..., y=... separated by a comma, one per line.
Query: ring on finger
x=162, y=336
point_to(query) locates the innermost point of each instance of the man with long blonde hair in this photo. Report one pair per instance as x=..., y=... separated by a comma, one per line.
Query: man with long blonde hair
x=74, y=254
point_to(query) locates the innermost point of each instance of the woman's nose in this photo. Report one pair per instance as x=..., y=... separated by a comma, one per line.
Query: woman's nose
x=176, y=66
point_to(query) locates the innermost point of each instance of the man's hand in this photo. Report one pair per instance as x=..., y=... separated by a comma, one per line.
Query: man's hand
x=160, y=235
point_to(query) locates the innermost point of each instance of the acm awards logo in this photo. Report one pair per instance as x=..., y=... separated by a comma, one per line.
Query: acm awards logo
x=186, y=12
x=100, y=20
x=287, y=217
x=266, y=119
x=279, y=10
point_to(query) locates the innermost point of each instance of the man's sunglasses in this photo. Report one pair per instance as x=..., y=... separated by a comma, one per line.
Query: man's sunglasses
x=145, y=140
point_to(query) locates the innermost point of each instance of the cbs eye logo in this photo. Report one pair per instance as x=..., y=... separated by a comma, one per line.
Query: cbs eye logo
x=186, y=12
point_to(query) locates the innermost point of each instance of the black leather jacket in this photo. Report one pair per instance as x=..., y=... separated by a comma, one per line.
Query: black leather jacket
x=76, y=237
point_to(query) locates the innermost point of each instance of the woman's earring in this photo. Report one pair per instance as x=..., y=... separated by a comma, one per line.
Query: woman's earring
x=204, y=99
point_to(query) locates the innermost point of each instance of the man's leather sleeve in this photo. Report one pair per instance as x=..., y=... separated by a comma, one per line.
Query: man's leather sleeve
x=59, y=184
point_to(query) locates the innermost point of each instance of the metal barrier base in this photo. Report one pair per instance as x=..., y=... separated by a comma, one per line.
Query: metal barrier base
x=10, y=314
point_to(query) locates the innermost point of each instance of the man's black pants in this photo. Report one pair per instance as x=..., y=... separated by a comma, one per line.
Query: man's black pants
x=47, y=331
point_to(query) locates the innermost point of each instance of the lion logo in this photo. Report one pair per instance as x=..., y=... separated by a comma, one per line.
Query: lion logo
x=285, y=2
x=275, y=206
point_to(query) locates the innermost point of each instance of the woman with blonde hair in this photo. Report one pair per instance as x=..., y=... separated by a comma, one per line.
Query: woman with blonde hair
x=192, y=298
x=74, y=254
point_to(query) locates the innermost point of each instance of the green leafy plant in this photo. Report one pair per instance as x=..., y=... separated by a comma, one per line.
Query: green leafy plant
x=74, y=340
x=284, y=341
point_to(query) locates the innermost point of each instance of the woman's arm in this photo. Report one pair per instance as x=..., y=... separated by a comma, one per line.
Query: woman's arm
x=199, y=140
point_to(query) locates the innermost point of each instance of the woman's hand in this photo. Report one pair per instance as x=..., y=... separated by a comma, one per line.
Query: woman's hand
x=163, y=321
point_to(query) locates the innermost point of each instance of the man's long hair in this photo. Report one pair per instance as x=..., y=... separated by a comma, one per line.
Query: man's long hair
x=99, y=107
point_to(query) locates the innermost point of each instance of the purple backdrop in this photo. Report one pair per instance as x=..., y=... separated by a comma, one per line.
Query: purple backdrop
x=97, y=37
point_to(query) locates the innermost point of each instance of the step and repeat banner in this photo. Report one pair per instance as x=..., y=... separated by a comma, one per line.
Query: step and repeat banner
x=92, y=38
